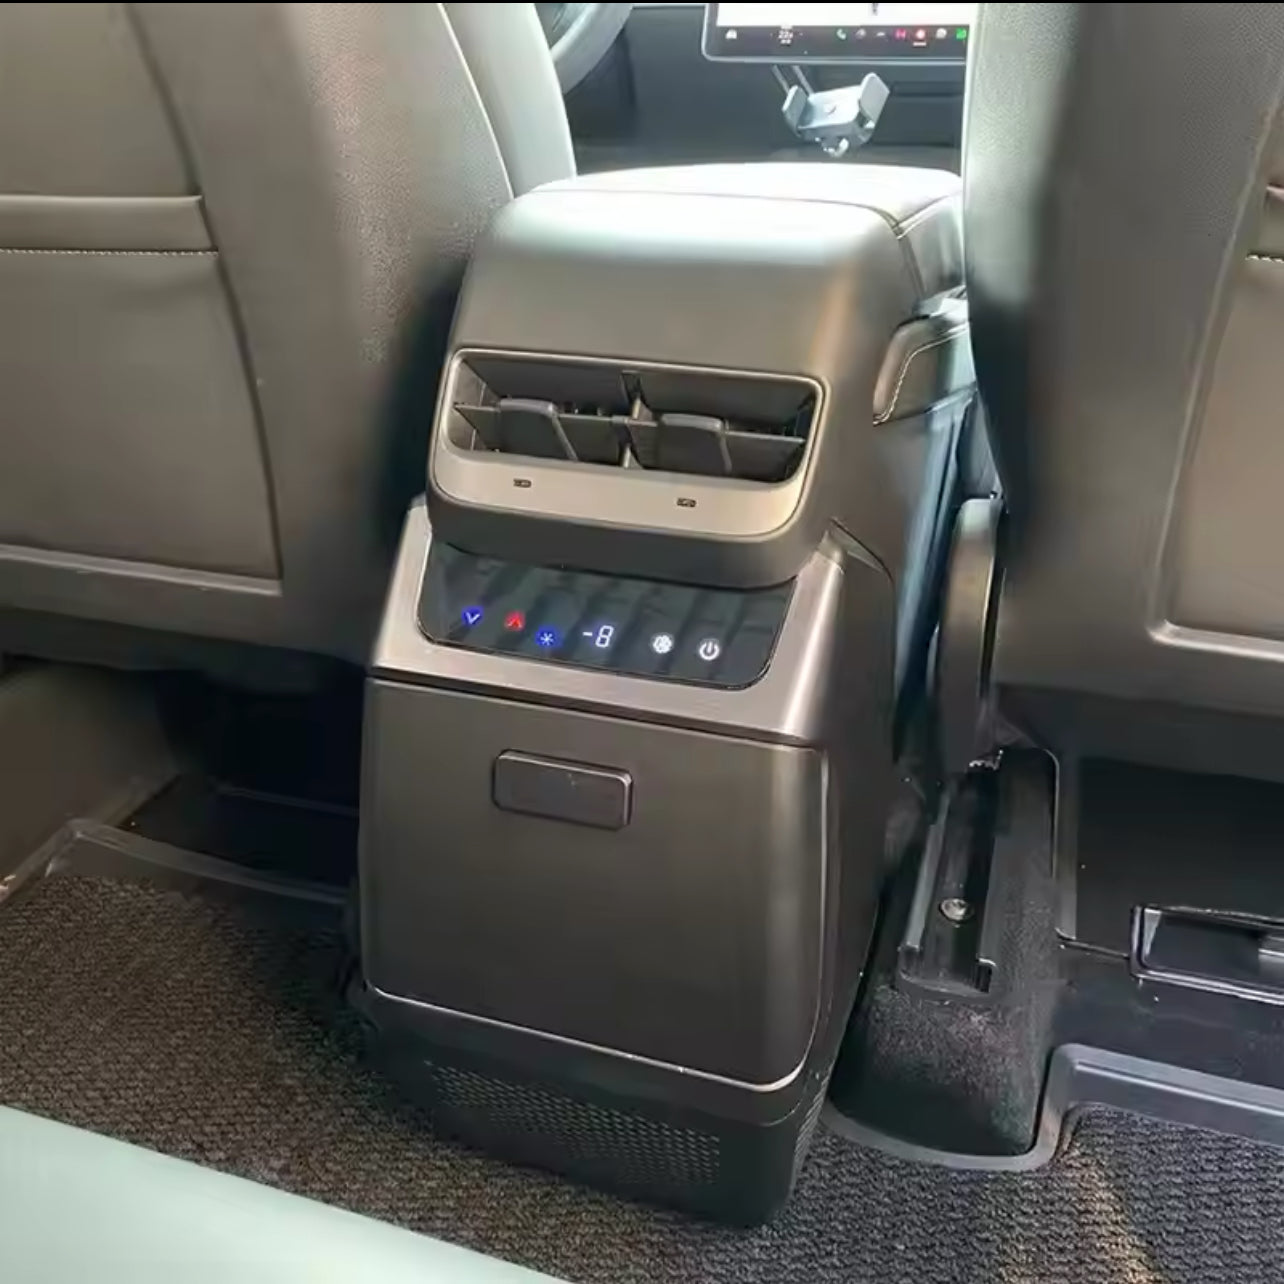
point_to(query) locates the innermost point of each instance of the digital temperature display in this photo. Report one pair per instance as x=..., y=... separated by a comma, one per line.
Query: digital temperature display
x=679, y=632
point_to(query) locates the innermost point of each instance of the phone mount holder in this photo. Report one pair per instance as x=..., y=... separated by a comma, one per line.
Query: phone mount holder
x=836, y=120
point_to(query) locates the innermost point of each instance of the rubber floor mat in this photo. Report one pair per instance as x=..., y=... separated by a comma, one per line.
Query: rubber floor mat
x=212, y=1031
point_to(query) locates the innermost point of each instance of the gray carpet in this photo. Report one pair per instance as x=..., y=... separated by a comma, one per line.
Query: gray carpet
x=208, y=1031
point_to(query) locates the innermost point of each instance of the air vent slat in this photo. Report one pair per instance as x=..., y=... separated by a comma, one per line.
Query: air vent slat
x=643, y=437
x=692, y=444
x=686, y=422
x=484, y=421
x=529, y=427
x=595, y=439
x=764, y=401
x=761, y=457
x=593, y=387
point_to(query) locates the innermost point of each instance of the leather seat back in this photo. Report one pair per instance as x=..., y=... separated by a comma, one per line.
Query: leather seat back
x=1126, y=282
x=220, y=228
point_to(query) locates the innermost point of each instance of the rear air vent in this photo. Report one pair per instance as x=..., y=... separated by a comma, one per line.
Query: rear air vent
x=631, y=416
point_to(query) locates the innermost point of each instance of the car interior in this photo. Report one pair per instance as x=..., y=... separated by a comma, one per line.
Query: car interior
x=639, y=642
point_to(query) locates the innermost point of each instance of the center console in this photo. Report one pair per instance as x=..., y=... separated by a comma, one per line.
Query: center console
x=629, y=733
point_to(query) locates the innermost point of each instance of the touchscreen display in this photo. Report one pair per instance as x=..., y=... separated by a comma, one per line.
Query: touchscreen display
x=865, y=33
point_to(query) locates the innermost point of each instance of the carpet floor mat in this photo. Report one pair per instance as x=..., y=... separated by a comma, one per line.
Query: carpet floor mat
x=215, y=1031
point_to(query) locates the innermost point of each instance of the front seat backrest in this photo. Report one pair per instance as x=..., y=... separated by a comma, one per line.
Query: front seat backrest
x=1123, y=244
x=220, y=225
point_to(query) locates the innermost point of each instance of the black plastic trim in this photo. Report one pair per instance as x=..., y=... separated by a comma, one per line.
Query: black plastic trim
x=1080, y=1076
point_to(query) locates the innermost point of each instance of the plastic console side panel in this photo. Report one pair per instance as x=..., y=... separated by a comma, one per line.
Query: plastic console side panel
x=788, y=705
x=734, y=278
x=709, y=899
x=1080, y=1076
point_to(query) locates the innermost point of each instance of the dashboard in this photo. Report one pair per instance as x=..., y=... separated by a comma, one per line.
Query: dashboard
x=656, y=99
x=871, y=34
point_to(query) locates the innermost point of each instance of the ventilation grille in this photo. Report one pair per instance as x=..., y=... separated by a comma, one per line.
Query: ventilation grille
x=802, y=1144
x=677, y=421
x=534, y=1124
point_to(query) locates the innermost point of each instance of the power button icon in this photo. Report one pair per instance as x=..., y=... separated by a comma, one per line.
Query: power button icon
x=709, y=649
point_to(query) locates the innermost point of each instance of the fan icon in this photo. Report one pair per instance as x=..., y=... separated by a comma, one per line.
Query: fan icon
x=662, y=643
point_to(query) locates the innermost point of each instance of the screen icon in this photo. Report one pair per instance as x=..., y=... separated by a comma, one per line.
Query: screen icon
x=662, y=643
x=709, y=649
x=960, y=33
x=547, y=638
x=471, y=615
x=941, y=33
x=602, y=636
x=515, y=621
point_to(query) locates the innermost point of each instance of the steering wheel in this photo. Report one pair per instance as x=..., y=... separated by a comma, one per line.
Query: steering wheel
x=579, y=36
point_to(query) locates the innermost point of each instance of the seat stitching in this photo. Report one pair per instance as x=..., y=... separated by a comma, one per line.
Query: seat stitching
x=905, y=365
x=905, y=233
x=108, y=253
x=1267, y=258
x=922, y=215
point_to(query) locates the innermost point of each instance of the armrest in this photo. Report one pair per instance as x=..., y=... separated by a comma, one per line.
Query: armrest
x=928, y=361
x=923, y=207
x=748, y=274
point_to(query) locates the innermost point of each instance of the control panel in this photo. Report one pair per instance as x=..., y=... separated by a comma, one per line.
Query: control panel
x=674, y=632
